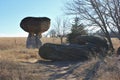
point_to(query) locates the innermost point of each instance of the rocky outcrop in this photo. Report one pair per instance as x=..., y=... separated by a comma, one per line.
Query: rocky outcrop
x=81, y=48
x=33, y=42
x=98, y=41
x=67, y=52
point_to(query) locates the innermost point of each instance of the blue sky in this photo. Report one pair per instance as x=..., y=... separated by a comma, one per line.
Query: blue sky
x=13, y=11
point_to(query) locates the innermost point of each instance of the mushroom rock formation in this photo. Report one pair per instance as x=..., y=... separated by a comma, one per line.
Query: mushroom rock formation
x=34, y=26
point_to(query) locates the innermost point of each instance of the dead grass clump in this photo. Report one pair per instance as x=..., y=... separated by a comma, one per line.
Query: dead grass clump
x=27, y=54
x=116, y=43
x=19, y=54
x=8, y=70
x=11, y=43
x=52, y=40
x=108, y=70
x=13, y=71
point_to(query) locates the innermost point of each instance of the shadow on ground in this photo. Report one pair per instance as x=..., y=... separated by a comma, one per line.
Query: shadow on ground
x=57, y=63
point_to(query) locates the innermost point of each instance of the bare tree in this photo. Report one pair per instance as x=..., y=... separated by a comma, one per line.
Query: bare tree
x=52, y=33
x=104, y=14
x=62, y=27
x=113, y=9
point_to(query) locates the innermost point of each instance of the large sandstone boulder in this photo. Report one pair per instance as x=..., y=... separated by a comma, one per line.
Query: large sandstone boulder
x=67, y=52
x=99, y=42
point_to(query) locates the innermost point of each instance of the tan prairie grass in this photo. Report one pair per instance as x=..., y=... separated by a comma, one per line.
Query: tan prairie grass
x=13, y=52
x=10, y=70
x=12, y=42
x=110, y=70
x=14, y=48
x=116, y=42
x=20, y=42
x=53, y=40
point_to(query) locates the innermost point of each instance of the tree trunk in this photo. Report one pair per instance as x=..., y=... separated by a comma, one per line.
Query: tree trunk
x=61, y=39
x=109, y=40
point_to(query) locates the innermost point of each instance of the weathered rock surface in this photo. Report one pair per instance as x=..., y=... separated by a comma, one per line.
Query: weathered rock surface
x=33, y=42
x=82, y=48
x=67, y=52
x=35, y=26
x=98, y=41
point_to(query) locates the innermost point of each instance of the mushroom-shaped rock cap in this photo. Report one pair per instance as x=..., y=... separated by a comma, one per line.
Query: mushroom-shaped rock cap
x=35, y=24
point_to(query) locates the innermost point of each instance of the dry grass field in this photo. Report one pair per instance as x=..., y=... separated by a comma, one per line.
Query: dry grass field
x=19, y=63
x=15, y=48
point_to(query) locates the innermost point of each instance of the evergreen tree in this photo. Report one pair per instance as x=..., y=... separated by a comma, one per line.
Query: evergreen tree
x=76, y=30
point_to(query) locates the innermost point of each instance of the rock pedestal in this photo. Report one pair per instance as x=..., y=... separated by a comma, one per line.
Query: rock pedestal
x=33, y=41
